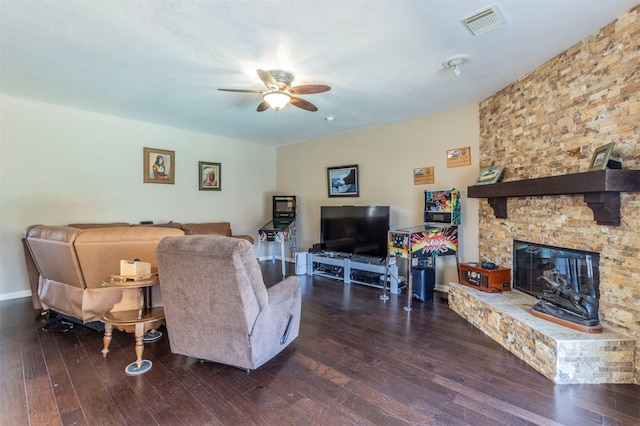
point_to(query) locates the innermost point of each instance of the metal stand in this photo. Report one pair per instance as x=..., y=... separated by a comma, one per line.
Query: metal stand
x=273, y=233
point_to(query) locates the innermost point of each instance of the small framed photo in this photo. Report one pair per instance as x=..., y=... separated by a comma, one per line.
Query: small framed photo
x=210, y=175
x=490, y=175
x=601, y=156
x=343, y=181
x=158, y=166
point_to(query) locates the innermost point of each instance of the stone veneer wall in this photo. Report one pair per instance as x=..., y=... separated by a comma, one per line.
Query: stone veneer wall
x=548, y=123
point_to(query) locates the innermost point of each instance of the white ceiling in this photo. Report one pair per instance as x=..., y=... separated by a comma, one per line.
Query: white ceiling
x=162, y=61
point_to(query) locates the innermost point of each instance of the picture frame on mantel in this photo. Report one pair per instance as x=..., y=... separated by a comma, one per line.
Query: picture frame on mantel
x=601, y=158
x=158, y=166
x=210, y=175
x=489, y=175
x=342, y=181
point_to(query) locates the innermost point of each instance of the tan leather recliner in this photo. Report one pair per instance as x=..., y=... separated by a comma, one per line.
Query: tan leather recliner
x=217, y=306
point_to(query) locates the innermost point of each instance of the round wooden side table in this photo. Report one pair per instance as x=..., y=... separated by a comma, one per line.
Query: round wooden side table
x=143, y=322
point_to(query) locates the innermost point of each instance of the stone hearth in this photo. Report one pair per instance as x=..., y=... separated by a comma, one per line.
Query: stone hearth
x=559, y=353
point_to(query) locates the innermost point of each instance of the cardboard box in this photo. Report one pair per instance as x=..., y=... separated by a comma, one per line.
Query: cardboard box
x=134, y=267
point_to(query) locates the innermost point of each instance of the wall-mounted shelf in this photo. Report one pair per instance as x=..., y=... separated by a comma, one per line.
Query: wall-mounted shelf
x=601, y=190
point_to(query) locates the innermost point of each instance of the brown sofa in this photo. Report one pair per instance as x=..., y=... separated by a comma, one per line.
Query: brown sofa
x=68, y=264
x=205, y=228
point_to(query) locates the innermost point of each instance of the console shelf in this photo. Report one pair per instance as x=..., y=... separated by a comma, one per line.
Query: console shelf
x=346, y=268
x=601, y=190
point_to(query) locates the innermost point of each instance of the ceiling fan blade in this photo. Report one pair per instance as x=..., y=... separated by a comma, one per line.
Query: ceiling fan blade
x=309, y=89
x=301, y=103
x=263, y=106
x=268, y=79
x=240, y=90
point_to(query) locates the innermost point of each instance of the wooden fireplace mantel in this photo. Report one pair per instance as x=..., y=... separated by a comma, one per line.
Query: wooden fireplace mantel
x=601, y=190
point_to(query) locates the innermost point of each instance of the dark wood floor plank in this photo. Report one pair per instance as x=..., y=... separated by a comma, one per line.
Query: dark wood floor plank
x=390, y=405
x=225, y=411
x=96, y=403
x=610, y=406
x=395, y=391
x=219, y=379
x=42, y=405
x=65, y=394
x=358, y=361
x=497, y=404
x=182, y=402
x=13, y=402
x=136, y=399
x=294, y=384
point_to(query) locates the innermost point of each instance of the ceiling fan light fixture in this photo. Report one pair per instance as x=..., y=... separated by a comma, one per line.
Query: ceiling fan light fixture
x=277, y=99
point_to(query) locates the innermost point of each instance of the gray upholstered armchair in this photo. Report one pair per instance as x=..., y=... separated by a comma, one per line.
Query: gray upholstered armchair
x=216, y=305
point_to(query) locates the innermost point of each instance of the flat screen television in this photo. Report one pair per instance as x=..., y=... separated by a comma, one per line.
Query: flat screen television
x=360, y=230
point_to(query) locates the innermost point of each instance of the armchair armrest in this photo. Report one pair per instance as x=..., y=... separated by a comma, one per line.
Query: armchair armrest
x=283, y=290
x=276, y=319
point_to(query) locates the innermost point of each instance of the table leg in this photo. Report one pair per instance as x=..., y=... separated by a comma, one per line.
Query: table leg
x=139, y=343
x=106, y=340
x=139, y=366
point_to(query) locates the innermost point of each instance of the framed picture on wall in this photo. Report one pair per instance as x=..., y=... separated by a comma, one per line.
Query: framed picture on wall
x=343, y=181
x=158, y=166
x=210, y=176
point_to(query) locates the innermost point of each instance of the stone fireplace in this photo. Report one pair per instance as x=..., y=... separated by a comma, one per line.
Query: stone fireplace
x=566, y=343
x=550, y=319
x=548, y=124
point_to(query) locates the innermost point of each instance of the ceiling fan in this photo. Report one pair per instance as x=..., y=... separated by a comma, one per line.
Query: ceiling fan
x=279, y=91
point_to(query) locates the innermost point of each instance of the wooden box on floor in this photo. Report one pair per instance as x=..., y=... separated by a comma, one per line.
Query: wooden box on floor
x=490, y=280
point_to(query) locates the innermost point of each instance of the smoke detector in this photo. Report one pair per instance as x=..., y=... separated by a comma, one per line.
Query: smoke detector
x=484, y=20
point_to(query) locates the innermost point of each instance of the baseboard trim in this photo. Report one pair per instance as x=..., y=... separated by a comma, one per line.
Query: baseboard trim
x=286, y=259
x=15, y=295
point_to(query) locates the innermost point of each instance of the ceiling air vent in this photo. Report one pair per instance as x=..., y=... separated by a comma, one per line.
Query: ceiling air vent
x=484, y=20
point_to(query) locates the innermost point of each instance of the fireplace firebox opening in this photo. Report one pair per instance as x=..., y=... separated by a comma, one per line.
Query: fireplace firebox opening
x=566, y=282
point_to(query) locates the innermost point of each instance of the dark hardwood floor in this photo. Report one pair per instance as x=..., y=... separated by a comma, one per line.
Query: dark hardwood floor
x=358, y=360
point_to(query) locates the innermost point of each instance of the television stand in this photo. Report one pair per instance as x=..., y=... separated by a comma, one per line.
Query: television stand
x=357, y=269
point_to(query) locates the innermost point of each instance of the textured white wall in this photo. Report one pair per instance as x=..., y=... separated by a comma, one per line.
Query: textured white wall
x=386, y=156
x=60, y=165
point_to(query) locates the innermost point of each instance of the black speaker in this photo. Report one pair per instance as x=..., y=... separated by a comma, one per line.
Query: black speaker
x=424, y=281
